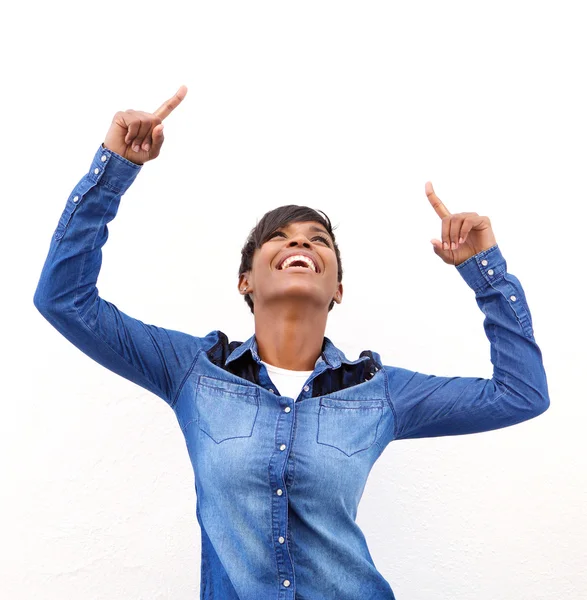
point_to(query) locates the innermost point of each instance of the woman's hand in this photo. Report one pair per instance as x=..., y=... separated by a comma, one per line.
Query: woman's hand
x=137, y=135
x=463, y=235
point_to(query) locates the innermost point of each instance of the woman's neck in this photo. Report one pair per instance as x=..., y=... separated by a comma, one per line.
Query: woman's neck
x=290, y=340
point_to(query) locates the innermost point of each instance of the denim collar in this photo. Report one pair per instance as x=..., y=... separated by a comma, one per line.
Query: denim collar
x=331, y=355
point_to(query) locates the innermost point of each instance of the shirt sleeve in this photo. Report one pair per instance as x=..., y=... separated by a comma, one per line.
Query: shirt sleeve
x=153, y=357
x=431, y=406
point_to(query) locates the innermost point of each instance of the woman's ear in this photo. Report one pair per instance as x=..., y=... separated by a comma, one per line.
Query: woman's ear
x=243, y=284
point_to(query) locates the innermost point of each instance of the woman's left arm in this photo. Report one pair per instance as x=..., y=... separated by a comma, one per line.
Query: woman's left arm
x=430, y=406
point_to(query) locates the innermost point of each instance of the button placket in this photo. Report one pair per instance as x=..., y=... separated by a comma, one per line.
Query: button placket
x=278, y=470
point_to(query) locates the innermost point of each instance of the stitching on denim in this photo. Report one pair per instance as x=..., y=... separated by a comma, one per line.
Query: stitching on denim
x=481, y=282
x=188, y=423
x=379, y=407
x=270, y=486
x=253, y=391
x=61, y=230
x=389, y=401
x=287, y=550
x=271, y=512
x=344, y=451
x=105, y=183
x=526, y=331
x=340, y=449
x=185, y=377
x=124, y=161
x=232, y=437
x=521, y=299
x=290, y=454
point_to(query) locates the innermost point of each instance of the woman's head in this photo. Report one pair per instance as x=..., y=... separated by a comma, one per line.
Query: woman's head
x=281, y=233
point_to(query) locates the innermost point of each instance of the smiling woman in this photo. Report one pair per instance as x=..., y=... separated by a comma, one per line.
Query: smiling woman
x=279, y=225
x=282, y=429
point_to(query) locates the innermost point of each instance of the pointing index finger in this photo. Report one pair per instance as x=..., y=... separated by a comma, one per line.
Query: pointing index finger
x=169, y=105
x=437, y=204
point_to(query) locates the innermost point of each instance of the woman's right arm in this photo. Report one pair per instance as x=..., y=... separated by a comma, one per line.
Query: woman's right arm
x=153, y=357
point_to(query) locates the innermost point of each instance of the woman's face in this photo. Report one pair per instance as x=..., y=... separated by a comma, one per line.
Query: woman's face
x=270, y=283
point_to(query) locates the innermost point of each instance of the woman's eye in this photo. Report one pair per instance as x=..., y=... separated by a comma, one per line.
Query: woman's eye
x=319, y=237
x=316, y=237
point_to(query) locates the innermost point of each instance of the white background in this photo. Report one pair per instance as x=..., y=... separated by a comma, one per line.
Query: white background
x=349, y=107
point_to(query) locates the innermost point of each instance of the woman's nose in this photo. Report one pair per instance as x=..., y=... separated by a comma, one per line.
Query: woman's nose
x=300, y=240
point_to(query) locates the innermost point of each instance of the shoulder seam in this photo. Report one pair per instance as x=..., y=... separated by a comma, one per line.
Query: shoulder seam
x=387, y=395
x=185, y=377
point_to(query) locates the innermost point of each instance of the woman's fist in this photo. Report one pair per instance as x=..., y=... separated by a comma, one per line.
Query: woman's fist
x=137, y=135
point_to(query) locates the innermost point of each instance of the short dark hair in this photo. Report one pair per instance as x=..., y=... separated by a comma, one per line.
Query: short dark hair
x=276, y=219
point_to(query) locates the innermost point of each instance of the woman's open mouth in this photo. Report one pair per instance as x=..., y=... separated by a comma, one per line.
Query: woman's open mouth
x=298, y=262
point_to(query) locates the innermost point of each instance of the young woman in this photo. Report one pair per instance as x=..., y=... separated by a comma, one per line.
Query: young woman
x=282, y=430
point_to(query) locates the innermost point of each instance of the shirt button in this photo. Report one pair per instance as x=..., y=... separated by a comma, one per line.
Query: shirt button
x=306, y=388
x=282, y=447
x=286, y=583
x=281, y=539
x=96, y=171
x=279, y=492
x=490, y=272
x=272, y=390
x=513, y=298
x=484, y=263
x=103, y=158
x=287, y=409
x=76, y=199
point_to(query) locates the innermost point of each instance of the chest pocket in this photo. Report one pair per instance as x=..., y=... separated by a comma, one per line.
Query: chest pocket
x=348, y=425
x=226, y=410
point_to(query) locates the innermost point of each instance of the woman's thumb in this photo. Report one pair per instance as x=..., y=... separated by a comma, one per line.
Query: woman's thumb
x=437, y=246
x=158, y=133
x=157, y=140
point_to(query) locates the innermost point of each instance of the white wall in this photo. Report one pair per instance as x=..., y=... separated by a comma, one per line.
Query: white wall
x=349, y=107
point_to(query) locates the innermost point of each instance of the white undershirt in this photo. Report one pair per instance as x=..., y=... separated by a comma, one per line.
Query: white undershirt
x=288, y=383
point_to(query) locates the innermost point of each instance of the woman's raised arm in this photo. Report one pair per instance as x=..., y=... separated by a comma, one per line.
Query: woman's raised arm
x=430, y=406
x=152, y=357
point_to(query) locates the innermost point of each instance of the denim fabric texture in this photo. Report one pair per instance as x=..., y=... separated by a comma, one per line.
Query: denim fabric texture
x=278, y=482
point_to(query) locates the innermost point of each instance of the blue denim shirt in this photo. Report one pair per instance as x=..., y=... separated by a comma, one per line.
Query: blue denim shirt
x=278, y=482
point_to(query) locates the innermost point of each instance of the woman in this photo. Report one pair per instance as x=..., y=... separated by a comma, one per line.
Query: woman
x=282, y=430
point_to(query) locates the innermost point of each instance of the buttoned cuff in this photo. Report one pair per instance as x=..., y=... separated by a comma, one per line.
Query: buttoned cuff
x=112, y=170
x=484, y=268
